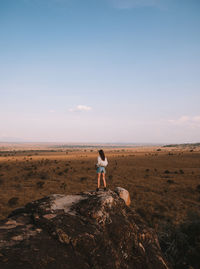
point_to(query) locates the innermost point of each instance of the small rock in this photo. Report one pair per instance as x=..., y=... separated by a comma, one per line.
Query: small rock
x=124, y=194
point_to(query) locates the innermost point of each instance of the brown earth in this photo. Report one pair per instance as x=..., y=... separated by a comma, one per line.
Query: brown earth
x=164, y=185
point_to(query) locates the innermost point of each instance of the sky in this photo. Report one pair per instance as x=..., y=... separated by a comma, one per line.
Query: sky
x=102, y=71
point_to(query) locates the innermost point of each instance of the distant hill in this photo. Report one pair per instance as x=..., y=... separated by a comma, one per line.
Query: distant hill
x=184, y=145
x=12, y=139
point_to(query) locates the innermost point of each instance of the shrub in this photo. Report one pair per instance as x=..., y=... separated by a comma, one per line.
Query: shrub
x=43, y=175
x=170, y=181
x=40, y=184
x=13, y=201
x=110, y=177
x=166, y=171
x=63, y=186
x=30, y=174
x=83, y=178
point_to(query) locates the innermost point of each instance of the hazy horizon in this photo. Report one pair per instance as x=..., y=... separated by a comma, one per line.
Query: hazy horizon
x=109, y=70
x=21, y=141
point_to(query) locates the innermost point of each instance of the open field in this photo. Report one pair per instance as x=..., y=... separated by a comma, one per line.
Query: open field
x=164, y=183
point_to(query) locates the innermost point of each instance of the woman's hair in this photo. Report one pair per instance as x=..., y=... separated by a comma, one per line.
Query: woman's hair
x=102, y=155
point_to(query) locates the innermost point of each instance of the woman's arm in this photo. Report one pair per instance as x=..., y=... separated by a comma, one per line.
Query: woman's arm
x=98, y=161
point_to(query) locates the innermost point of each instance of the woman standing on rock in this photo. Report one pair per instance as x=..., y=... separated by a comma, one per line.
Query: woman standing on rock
x=101, y=164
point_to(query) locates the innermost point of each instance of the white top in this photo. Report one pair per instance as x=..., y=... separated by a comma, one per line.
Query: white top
x=100, y=162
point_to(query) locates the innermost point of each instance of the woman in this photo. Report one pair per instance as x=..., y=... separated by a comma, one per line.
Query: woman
x=101, y=164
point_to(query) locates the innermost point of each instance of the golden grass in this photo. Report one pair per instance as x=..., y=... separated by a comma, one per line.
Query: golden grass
x=164, y=185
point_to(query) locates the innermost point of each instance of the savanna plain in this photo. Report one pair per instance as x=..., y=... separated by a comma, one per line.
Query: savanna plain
x=163, y=182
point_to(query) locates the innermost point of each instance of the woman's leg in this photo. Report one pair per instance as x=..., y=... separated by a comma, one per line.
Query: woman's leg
x=98, y=180
x=104, y=180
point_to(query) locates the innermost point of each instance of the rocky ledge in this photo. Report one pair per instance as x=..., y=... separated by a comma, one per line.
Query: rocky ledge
x=89, y=230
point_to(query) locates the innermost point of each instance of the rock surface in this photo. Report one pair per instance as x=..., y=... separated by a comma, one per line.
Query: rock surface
x=124, y=194
x=85, y=231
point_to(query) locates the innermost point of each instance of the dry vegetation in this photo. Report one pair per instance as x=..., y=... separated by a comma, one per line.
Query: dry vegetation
x=164, y=184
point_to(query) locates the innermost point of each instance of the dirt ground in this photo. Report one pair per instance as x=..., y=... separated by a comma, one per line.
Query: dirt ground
x=164, y=183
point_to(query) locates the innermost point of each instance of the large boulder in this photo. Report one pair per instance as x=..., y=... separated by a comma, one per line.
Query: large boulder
x=90, y=230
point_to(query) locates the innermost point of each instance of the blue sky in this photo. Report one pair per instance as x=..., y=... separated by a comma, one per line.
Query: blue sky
x=100, y=70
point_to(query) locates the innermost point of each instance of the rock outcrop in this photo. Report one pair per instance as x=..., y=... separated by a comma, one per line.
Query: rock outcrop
x=85, y=231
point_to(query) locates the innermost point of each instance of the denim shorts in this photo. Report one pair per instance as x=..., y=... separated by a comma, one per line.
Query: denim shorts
x=101, y=169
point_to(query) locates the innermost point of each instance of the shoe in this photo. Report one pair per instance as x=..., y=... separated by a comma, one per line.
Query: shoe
x=97, y=189
x=104, y=189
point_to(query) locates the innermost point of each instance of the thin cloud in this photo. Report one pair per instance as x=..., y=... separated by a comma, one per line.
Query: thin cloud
x=127, y=4
x=186, y=120
x=80, y=108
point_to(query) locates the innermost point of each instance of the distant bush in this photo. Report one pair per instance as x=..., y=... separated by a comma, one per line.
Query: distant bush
x=40, y=184
x=167, y=172
x=110, y=177
x=170, y=181
x=18, y=186
x=83, y=178
x=181, y=171
x=13, y=201
x=44, y=175
x=30, y=174
x=63, y=186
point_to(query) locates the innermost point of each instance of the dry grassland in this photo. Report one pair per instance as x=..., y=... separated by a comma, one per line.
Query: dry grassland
x=164, y=183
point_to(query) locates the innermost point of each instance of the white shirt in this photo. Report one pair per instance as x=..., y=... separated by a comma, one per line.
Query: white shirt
x=100, y=162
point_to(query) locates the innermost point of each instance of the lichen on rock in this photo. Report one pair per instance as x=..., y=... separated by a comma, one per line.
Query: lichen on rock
x=83, y=231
